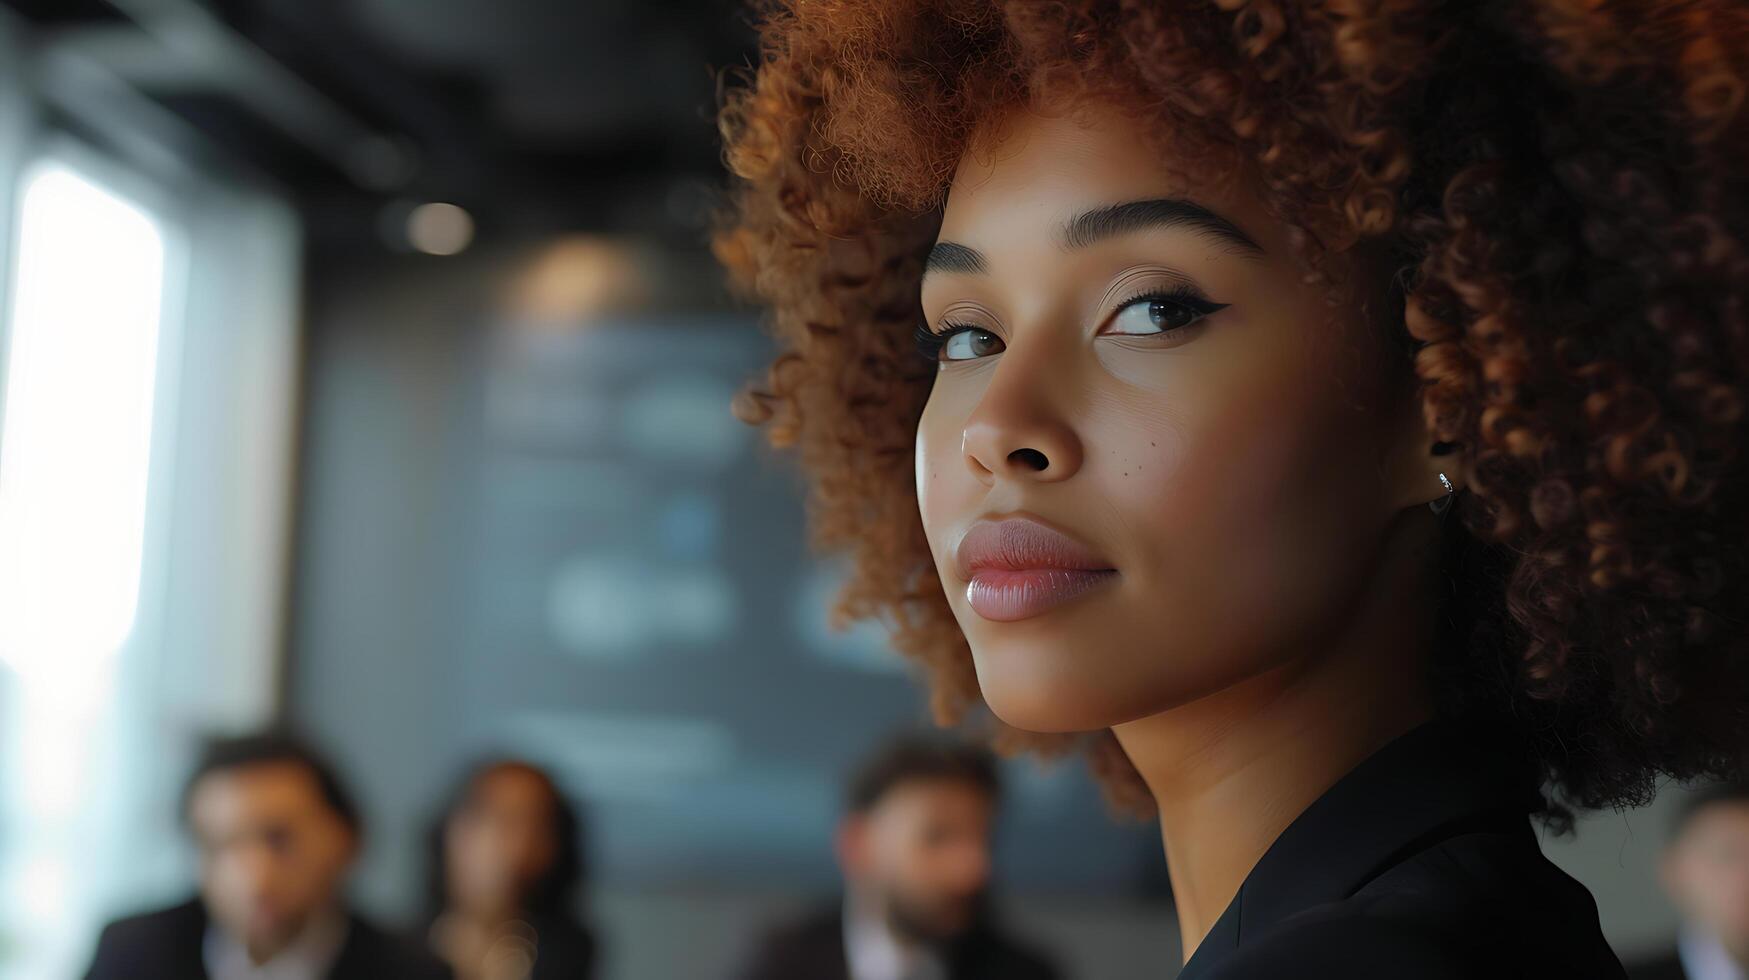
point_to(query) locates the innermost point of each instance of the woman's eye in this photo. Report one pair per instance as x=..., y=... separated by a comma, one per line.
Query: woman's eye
x=1159, y=314
x=968, y=343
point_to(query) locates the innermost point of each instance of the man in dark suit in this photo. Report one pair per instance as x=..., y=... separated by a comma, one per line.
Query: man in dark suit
x=1705, y=869
x=914, y=847
x=277, y=834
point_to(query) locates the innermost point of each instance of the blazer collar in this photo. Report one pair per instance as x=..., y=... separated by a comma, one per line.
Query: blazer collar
x=1432, y=782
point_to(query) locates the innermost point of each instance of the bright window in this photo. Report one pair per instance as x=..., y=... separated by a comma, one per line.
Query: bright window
x=76, y=425
x=81, y=359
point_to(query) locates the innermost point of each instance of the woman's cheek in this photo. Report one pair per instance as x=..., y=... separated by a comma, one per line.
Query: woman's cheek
x=941, y=475
x=1202, y=480
x=1136, y=440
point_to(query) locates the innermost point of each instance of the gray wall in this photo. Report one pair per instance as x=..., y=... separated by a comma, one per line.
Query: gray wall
x=1615, y=853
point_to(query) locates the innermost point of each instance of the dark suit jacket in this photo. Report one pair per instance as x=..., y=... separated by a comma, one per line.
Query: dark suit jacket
x=1666, y=967
x=166, y=945
x=814, y=950
x=1421, y=863
x=564, y=950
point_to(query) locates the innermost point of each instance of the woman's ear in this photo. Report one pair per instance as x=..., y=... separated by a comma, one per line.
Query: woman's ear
x=1422, y=469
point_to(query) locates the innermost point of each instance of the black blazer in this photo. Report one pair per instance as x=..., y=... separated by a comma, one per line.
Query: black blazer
x=1421, y=863
x=1666, y=967
x=564, y=950
x=166, y=945
x=814, y=950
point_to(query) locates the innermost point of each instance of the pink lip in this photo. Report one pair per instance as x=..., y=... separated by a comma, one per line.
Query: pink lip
x=1019, y=568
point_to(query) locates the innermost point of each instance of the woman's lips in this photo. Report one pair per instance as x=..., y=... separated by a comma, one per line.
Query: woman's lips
x=1019, y=568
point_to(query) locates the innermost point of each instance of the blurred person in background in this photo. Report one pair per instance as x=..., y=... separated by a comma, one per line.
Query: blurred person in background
x=277, y=833
x=506, y=864
x=1705, y=870
x=914, y=847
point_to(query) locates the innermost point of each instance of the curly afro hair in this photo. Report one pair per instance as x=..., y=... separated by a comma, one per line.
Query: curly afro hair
x=1560, y=187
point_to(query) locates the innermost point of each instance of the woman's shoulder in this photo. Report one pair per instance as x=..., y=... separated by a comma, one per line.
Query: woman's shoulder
x=1335, y=941
x=1473, y=905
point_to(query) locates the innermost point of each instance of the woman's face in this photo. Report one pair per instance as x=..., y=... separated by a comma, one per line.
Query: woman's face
x=1155, y=461
x=500, y=841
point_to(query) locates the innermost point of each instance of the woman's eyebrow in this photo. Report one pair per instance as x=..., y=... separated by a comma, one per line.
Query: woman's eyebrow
x=954, y=257
x=1165, y=212
x=1110, y=221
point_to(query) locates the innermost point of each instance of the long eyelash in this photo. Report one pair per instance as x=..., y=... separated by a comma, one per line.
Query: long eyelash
x=930, y=341
x=1182, y=293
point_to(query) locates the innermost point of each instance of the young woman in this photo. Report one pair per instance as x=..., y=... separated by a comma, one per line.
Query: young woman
x=505, y=867
x=1331, y=415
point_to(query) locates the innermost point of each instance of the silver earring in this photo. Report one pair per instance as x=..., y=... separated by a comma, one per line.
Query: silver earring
x=1443, y=504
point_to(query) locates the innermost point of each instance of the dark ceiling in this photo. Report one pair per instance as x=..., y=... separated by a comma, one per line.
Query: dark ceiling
x=538, y=115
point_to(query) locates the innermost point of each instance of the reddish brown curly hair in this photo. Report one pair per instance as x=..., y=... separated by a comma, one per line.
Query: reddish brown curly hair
x=1560, y=188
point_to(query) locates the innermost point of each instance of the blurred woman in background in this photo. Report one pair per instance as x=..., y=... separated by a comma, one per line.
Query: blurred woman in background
x=506, y=864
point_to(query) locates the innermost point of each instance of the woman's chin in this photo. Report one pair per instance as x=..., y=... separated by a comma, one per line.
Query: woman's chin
x=1041, y=691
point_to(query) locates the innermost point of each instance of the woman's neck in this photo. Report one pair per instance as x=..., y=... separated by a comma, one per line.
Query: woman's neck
x=1231, y=770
